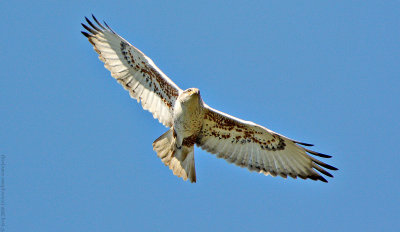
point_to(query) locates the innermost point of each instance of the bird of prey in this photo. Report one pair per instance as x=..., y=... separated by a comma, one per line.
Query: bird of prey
x=192, y=122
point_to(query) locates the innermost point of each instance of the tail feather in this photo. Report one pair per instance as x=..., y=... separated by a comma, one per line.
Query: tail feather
x=180, y=161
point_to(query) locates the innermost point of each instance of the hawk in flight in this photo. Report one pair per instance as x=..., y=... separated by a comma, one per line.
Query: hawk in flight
x=192, y=122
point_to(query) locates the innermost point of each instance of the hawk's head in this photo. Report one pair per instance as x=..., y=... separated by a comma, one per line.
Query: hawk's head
x=192, y=91
x=189, y=95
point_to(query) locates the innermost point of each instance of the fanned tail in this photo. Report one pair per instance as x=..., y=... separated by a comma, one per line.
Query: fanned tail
x=180, y=161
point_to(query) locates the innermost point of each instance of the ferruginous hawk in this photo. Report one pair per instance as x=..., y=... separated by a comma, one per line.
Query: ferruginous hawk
x=193, y=122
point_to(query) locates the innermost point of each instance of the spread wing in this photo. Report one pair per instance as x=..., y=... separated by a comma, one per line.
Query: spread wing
x=134, y=71
x=247, y=144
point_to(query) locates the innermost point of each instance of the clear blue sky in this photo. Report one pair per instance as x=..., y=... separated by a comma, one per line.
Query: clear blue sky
x=78, y=149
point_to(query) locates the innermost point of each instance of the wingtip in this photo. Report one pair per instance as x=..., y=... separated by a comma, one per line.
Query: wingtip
x=334, y=168
x=317, y=177
x=323, y=179
x=94, y=18
x=98, y=23
x=85, y=34
x=322, y=155
x=304, y=144
x=318, y=154
x=109, y=27
x=92, y=25
x=88, y=29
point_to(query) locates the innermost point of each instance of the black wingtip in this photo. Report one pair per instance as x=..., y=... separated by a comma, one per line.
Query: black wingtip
x=322, y=164
x=92, y=25
x=318, y=154
x=322, y=155
x=85, y=34
x=333, y=168
x=318, y=177
x=328, y=174
x=323, y=171
x=109, y=27
x=87, y=20
x=305, y=144
x=98, y=23
x=88, y=29
x=328, y=167
x=322, y=179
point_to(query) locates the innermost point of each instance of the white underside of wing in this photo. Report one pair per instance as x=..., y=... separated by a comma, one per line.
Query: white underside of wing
x=259, y=149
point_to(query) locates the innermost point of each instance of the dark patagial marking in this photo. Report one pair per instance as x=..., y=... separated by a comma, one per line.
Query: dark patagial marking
x=151, y=76
x=246, y=135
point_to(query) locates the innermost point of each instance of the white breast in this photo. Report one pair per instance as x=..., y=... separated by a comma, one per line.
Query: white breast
x=188, y=115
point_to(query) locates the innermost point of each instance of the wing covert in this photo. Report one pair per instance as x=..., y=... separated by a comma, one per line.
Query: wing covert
x=136, y=72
